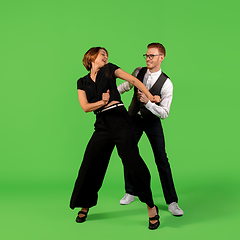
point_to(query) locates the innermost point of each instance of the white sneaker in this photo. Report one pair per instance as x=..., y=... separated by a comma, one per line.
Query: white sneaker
x=128, y=198
x=175, y=209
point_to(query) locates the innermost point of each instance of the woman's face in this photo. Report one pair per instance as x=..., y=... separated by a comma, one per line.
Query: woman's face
x=102, y=58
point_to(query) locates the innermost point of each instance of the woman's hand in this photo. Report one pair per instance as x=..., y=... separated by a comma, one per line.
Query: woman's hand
x=144, y=99
x=105, y=97
x=89, y=107
x=156, y=99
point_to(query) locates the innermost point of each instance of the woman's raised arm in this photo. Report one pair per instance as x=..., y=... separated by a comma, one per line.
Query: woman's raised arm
x=131, y=79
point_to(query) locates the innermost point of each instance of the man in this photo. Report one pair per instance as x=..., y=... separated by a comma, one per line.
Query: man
x=146, y=116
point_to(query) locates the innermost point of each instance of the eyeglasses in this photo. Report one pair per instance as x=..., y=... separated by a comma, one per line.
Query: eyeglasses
x=151, y=56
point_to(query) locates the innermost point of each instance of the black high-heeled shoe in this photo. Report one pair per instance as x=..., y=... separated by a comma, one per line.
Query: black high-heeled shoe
x=81, y=219
x=153, y=226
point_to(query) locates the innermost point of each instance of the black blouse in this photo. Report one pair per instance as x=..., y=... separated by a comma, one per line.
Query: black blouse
x=105, y=80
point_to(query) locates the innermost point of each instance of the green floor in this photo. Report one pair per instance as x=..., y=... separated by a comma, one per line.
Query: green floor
x=40, y=211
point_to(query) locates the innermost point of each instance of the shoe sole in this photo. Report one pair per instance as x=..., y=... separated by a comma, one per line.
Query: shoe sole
x=125, y=203
x=177, y=215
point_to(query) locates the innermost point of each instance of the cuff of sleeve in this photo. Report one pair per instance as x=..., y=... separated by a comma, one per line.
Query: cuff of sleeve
x=149, y=104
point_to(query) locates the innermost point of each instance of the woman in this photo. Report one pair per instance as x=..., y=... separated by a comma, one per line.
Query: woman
x=98, y=92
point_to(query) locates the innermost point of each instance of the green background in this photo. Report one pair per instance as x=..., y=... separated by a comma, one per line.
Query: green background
x=44, y=131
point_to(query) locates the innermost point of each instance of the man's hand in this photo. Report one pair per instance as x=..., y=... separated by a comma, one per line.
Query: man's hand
x=142, y=97
x=105, y=97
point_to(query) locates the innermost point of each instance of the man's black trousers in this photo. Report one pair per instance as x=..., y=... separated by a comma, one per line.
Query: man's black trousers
x=154, y=132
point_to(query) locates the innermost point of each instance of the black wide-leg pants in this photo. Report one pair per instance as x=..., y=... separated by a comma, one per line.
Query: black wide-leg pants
x=154, y=132
x=112, y=128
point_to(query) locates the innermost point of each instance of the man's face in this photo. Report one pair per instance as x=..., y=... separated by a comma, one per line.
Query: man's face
x=154, y=62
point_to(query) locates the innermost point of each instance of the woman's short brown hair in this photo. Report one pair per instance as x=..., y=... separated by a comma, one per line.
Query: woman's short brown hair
x=90, y=56
x=159, y=46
